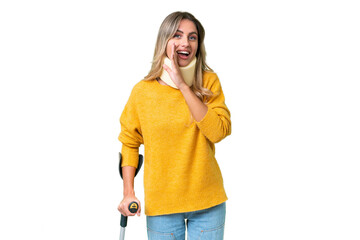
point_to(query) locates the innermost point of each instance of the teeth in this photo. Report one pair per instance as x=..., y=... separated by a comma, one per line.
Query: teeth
x=183, y=52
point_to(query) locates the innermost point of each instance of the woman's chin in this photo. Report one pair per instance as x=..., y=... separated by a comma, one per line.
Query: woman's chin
x=183, y=62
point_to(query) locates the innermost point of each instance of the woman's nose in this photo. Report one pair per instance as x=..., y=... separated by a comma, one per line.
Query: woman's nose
x=184, y=42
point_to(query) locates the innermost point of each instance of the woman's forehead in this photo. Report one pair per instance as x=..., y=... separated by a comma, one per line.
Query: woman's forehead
x=187, y=25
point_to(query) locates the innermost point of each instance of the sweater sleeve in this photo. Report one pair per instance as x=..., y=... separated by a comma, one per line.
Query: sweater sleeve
x=130, y=135
x=216, y=124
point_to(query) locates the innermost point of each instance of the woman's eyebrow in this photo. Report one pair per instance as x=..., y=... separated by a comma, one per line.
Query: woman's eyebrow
x=183, y=32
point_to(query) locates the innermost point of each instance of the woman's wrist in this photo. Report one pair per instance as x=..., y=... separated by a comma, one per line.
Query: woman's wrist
x=129, y=193
x=184, y=87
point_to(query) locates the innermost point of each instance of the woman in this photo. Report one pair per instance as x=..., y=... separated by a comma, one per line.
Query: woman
x=178, y=112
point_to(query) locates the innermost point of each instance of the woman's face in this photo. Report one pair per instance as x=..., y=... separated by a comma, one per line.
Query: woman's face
x=186, y=43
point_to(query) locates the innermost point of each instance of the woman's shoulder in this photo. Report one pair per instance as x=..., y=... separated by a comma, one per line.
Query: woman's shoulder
x=142, y=86
x=140, y=90
x=207, y=75
x=210, y=79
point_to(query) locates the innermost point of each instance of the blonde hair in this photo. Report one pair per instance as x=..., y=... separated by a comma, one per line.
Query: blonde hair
x=167, y=31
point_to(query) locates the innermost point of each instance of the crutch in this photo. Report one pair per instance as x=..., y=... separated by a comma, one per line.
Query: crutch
x=133, y=206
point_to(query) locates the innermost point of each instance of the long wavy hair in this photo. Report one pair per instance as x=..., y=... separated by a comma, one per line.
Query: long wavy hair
x=167, y=31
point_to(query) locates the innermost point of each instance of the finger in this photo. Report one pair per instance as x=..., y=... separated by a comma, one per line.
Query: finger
x=174, y=60
x=121, y=210
x=139, y=210
x=139, y=207
x=173, y=51
x=131, y=214
x=128, y=213
x=124, y=209
x=168, y=69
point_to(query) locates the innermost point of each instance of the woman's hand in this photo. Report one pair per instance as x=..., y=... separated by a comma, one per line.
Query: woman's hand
x=175, y=73
x=197, y=108
x=124, y=205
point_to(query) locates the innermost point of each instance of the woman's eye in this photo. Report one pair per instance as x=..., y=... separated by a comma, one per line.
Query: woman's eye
x=192, y=37
x=177, y=36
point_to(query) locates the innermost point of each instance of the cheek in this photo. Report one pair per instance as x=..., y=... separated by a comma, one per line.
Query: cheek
x=195, y=48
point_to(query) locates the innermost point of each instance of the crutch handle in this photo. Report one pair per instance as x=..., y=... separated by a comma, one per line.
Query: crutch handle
x=133, y=208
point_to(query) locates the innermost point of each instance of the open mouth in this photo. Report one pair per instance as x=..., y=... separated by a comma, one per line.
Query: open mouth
x=183, y=53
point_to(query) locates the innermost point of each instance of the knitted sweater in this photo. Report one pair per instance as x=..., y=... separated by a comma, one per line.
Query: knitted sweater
x=181, y=173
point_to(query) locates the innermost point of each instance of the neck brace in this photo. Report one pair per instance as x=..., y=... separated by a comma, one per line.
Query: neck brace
x=187, y=72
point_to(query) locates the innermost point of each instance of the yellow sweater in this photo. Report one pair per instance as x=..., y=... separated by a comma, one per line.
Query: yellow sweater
x=181, y=173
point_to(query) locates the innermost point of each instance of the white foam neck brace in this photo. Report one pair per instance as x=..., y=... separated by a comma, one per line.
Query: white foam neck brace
x=187, y=72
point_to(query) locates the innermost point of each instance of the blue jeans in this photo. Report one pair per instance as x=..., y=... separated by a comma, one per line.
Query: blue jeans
x=205, y=224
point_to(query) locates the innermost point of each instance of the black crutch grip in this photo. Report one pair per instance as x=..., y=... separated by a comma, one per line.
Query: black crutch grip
x=123, y=221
